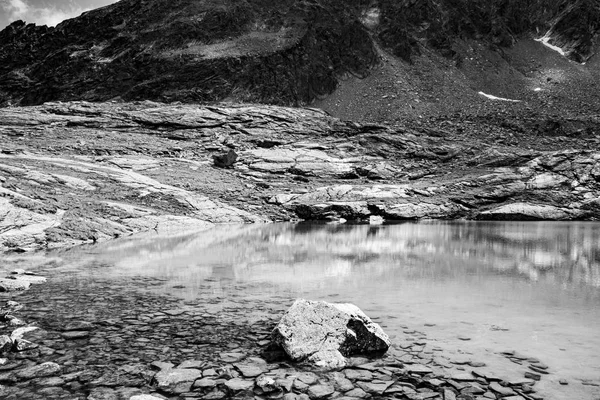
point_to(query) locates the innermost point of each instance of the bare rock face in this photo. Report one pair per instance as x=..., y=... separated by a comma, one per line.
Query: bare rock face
x=75, y=179
x=325, y=333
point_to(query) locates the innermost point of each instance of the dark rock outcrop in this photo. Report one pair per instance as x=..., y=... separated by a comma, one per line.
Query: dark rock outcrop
x=225, y=160
x=287, y=52
x=284, y=52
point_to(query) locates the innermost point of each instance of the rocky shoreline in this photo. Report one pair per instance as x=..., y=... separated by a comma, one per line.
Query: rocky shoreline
x=79, y=172
x=119, y=341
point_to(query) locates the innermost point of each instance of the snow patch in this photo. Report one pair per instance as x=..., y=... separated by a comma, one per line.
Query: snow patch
x=491, y=97
x=545, y=41
x=371, y=18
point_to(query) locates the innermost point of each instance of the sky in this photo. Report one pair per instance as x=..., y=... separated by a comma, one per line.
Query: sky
x=45, y=12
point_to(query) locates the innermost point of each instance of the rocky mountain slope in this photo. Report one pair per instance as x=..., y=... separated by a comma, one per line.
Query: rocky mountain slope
x=82, y=172
x=461, y=109
x=287, y=52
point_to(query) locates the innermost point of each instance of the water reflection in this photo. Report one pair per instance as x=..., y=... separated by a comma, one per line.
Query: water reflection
x=564, y=254
x=532, y=287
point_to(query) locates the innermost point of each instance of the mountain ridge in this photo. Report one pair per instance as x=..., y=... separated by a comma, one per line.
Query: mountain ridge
x=288, y=53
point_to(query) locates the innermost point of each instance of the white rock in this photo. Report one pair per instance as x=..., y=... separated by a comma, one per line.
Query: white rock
x=323, y=333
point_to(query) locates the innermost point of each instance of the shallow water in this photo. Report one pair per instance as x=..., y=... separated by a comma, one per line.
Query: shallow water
x=474, y=288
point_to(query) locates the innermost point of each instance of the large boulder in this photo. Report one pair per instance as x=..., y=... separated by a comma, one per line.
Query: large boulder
x=325, y=333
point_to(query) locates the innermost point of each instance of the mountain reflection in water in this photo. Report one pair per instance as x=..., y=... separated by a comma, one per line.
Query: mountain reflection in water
x=564, y=254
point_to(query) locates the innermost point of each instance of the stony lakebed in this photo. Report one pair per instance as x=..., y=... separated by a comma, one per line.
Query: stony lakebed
x=101, y=335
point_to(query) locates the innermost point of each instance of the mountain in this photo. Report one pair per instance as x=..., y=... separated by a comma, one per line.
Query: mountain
x=288, y=52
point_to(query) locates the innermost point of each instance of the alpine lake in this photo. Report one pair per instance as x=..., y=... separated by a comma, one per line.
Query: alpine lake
x=475, y=310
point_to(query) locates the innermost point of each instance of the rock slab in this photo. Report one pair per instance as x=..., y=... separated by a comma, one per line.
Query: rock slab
x=176, y=380
x=325, y=333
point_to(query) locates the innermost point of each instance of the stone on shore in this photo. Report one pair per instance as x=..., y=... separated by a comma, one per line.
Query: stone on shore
x=324, y=333
x=176, y=380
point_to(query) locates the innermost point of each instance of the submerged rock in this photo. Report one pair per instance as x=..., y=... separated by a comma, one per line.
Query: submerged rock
x=252, y=368
x=9, y=308
x=145, y=397
x=38, y=371
x=177, y=380
x=26, y=276
x=237, y=384
x=24, y=338
x=320, y=391
x=79, y=326
x=12, y=285
x=72, y=335
x=5, y=343
x=325, y=333
x=102, y=393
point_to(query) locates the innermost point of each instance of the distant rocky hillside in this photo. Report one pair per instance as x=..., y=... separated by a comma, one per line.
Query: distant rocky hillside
x=408, y=24
x=81, y=172
x=286, y=52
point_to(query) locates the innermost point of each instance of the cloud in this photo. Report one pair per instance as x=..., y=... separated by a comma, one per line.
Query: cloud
x=41, y=15
x=15, y=7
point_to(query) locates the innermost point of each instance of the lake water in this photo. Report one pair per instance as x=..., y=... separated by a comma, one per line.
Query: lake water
x=474, y=289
